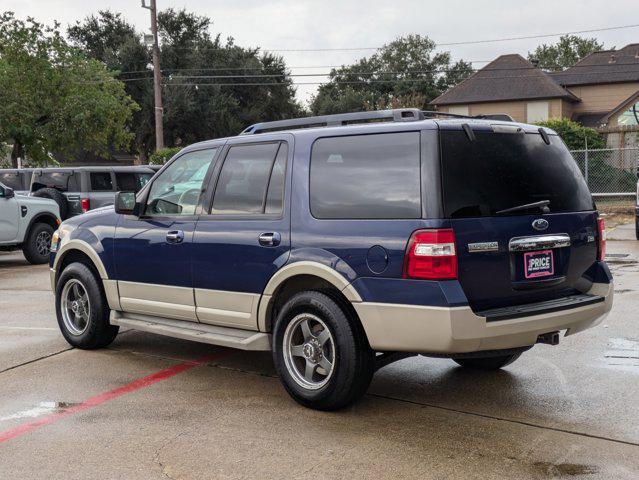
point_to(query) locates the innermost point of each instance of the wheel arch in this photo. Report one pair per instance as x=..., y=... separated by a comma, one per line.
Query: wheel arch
x=300, y=276
x=43, y=217
x=80, y=251
x=75, y=250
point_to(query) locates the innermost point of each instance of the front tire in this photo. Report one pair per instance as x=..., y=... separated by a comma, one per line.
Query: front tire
x=37, y=246
x=487, y=363
x=321, y=353
x=82, y=309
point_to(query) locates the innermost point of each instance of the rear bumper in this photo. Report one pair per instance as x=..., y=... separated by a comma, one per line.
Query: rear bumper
x=421, y=329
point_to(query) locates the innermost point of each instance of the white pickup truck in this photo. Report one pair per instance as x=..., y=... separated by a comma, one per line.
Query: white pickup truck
x=27, y=223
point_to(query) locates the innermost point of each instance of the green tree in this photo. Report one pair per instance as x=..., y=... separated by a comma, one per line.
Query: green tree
x=405, y=72
x=53, y=98
x=109, y=38
x=160, y=157
x=600, y=167
x=203, y=94
x=565, y=53
x=575, y=136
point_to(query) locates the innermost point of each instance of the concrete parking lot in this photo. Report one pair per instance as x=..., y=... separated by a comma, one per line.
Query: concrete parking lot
x=153, y=407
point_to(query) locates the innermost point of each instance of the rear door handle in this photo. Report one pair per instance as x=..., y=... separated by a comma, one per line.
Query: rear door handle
x=270, y=239
x=175, y=236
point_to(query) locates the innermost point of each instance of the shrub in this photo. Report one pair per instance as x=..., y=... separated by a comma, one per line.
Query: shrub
x=160, y=157
x=574, y=134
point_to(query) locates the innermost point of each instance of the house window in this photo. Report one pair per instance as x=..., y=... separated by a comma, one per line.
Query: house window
x=629, y=117
x=536, y=112
x=458, y=109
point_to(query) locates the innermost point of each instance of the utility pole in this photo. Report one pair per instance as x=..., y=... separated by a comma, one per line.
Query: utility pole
x=157, y=76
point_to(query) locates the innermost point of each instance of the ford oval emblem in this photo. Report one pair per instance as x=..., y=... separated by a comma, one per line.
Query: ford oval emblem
x=540, y=224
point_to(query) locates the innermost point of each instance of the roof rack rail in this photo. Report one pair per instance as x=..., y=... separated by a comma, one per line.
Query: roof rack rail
x=492, y=116
x=339, y=120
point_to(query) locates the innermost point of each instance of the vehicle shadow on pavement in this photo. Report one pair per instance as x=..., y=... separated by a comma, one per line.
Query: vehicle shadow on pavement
x=8, y=261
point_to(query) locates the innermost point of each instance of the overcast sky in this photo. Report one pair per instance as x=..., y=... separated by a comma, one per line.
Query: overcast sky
x=290, y=24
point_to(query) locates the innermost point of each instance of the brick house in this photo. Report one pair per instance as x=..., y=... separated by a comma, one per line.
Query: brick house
x=600, y=91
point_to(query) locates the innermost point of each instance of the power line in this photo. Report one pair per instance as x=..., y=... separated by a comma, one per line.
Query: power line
x=355, y=82
x=253, y=84
x=528, y=37
x=169, y=71
x=447, y=44
x=346, y=75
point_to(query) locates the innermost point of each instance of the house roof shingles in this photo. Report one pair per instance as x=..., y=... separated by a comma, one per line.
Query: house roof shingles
x=610, y=66
x=508, y=77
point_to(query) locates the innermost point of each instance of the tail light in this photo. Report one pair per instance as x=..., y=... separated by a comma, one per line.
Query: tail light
x=431, y=255
x=86, y=205
x=601, y=239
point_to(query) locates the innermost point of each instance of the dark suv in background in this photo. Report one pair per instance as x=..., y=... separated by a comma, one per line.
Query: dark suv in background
x=342, y=243
x=79, y=189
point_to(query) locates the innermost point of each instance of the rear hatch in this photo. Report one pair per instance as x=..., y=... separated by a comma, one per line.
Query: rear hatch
x=524, y=221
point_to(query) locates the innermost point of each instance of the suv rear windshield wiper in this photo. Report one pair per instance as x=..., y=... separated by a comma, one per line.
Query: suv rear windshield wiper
x=541, y=204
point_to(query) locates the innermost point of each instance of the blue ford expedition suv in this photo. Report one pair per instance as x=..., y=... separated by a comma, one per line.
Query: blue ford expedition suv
x=345, y=242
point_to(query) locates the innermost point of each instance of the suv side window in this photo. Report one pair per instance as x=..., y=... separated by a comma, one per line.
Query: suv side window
x=275, y=194
x=366, y=177
x=177, y=190
x=131, y=182
x=243, y=183
x=101, y=181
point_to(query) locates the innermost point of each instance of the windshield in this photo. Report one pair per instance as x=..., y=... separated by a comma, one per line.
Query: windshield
x=499, y=171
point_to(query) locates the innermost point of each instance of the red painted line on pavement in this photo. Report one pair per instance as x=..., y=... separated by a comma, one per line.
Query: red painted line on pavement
x=110, y=395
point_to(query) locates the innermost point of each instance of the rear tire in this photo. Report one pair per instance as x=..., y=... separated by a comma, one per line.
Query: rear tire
x=314, y=334
x=82, y=309
x=637, y=228
x=487, y=363
x=37, y=245
x=56, y=196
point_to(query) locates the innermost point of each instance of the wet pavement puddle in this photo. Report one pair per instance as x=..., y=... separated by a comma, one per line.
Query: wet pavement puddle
x=565, y=469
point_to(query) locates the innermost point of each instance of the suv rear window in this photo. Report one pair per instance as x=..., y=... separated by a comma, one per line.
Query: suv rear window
x=11, y=180
x=101, y=181
x=498, y=171
x=65, y=180
x=366, y=177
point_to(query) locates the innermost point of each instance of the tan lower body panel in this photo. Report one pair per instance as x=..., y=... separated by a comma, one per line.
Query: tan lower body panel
x=419, y=329
x=233, y=309
x=160, y=300
x=112, y=295
x=52, y=275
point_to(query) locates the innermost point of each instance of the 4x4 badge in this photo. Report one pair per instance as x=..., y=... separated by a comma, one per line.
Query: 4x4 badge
x=540, y=224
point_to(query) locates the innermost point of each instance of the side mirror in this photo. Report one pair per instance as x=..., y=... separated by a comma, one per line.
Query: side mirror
x=7, y=192
x=125, y=203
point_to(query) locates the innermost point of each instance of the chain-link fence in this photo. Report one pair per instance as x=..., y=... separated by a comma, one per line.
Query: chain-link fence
x=609, y=172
